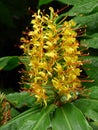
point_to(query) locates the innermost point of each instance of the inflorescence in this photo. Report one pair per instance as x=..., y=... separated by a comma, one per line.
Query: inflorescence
x=53, y=53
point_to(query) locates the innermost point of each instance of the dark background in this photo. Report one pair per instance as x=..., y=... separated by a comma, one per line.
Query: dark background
x=14, y=18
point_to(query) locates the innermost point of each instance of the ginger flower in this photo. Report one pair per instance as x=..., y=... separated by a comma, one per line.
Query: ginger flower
x=53, y=53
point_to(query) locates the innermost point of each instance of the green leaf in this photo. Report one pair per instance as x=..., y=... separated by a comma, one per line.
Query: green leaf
x=92, y=69
x=9, y=62
x=44, y=121
x=42, y=2
x=14, y=112
x=89, y=108
x=3, y=62
x=21, y=99
x=91, y=21
x=13, y=62
x=32, y=119
x=69, y=117
x=25, y=60
x=93, y=92
x=94, y=125
x=81, y=6
x=28, y=117
x=70, y=2
x=91, y=41
x=90, y=104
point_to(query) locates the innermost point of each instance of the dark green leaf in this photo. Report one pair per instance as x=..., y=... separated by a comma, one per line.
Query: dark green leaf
x=13, y=62
x=89, y=107
x=14, y=112
x=42, y=2
x=25, y=60
x=69, y=117
x=94, y=125
x=44, y=122
x=9, y=62
x=70, y=2
x=31, y=120
x=81, y=6
x=3, y=62
x=93, y=92
x=21, y=99
x=91, y=21
x=28, y=117
x=91, y=41
x=92, y=69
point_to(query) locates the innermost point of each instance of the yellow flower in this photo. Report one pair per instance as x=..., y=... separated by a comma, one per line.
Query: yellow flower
x=39, y=92
x=58, y=68
x=53, y=53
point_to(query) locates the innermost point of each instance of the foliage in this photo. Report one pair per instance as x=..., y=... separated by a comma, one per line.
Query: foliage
x=81, y=113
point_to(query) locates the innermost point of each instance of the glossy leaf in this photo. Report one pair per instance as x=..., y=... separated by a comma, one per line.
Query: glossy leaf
x=42, y=2
x=69, y=117
x=32, y=119
x=94, y=125
x=66, y=117
x=89, y=108
x=24, y=60
x=81, y=6
x=91, y=69
x=70, y=2
x=21, y=99
x=9, y=62
x=93, y=92
x=12, y=63
x=91, y=21
x=89, y=105
x=44, y=121
x=28, y=117
x=91, y=41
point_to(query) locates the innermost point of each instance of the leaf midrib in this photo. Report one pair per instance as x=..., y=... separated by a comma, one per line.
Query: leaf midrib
x=68, y=122
x=42, y=117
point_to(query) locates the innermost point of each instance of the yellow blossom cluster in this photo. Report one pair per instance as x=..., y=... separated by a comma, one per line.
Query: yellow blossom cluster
x=53, y=55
